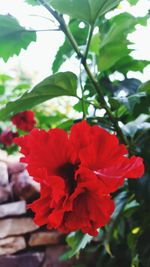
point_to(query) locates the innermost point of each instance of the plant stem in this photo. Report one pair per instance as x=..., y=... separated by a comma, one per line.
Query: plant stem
x=102, y=101
x=89, y=41
x=82, y=99
x=42, y=30
x=104, y=104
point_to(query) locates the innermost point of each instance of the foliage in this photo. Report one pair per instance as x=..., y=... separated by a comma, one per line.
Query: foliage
x=86, y=10
x=77, y=241
x=60, y=84
x=103, y=53
x=13, y=37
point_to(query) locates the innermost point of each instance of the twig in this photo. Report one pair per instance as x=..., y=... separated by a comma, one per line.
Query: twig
x=44, y=30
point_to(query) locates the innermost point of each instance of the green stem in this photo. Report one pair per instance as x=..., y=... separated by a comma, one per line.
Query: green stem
x=102, y=101
x=40, y=30
x=89, y=41
x=104, y=104
x=82, y=99
x=63, y=27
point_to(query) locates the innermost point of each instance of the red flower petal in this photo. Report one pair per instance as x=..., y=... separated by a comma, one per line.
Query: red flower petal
x=114, y=176
x=44, y=149
x=76, y=175
x=80, y=137
x=87, y=200
x=103, y=151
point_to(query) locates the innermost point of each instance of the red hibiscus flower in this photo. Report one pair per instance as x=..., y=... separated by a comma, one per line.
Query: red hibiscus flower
x=24, y=120
x=77, y=175
x=7, y=136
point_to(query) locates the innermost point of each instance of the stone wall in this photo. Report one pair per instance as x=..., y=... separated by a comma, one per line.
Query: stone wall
x=22, y=243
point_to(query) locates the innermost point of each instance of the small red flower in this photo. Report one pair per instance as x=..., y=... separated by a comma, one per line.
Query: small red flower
x=7, y=136
x=77, y=175
x=24, y=120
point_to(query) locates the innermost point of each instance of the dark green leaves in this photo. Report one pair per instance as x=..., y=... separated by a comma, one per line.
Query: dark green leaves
x=145, y=87
x=87, y=10
x=56, y=85
x=126, y=63
x=13, y=37
x=77, y=241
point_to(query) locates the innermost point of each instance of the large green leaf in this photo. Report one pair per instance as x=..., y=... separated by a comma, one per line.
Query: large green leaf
x=114, y=45
x=13, y=37
x=56, y=85
x=87, y=10
x=110, y=54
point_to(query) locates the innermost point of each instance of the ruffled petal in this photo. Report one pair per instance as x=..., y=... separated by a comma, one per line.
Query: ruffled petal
x=80, y=137
x=45, y=149
x=114, y=176
x=103, y=150
x=89, y=213
x=41, y=207
x=88, y=200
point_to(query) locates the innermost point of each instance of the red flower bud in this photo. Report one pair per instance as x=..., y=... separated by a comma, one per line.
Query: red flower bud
x=7, y=137
x=24, y=120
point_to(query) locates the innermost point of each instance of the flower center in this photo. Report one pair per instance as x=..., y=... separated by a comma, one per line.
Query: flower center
x=67, y=171
x=23, y=118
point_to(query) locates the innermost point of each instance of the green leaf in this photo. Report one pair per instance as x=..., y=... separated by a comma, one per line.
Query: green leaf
x=131, y=205
x=110, y=54
x=46, y=121
x=79, y=106
x=124, y=64
x=77, y=241
x=13, y=37
x=22, y=86
x=56, y=85
x=95, y=43
x=33, y=2
x=2, y=89
x=133, y=2
x=87, y=10
x=65, y=51
x=114, y=44
x=4, y=78
x=145, y=88
x=66, y=125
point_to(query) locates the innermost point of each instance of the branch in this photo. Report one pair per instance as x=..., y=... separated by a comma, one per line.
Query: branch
x=98, y=89
x=63, y=27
